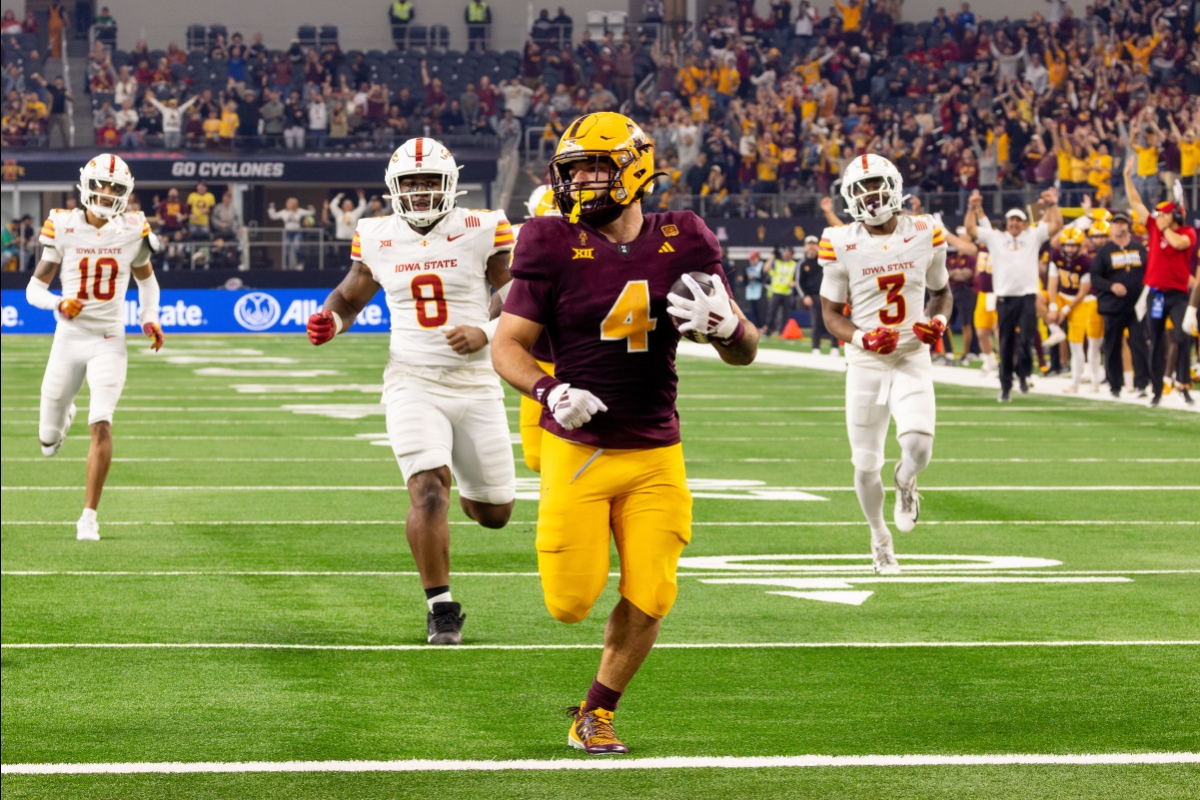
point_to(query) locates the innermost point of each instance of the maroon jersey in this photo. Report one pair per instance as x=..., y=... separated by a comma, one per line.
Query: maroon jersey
x=541, y=349
x=604, y=307
x=1071, y=270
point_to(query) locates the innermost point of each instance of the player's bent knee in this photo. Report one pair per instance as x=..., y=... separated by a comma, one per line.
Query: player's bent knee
x=563, y=610
x=489, y=515
x=429, y=492
x=867, y=463
x=534, y=462
x=655, y=601
x=101, y=430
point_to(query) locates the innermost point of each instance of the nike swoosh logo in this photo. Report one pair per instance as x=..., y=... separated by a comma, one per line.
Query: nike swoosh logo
x=452, y=238
x=909, y=239
x=110, y=336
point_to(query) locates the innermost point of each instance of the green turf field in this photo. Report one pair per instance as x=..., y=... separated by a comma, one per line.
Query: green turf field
x=250, y=504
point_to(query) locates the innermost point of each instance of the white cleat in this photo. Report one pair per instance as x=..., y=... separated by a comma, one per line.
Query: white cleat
x=50, y=449
x=1072, y=389
x=885, y=561
x=1057, y=336
x=908, y=505
x=87, y=530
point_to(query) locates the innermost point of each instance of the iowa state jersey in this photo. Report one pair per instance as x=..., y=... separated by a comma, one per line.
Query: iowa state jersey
x=604, y=307
x=433, y=280
x=884, y=278
x=1070, y=269
x=95, y=264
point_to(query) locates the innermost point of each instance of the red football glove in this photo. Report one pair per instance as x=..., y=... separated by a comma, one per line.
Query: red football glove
x=881, y=340
x=321, y=327
x=70, y=307
x=930, y=332
x=152, y=330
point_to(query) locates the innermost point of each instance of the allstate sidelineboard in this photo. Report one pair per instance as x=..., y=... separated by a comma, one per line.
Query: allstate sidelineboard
x=209, y=311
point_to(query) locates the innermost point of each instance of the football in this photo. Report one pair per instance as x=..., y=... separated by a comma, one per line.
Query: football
x=680, y=288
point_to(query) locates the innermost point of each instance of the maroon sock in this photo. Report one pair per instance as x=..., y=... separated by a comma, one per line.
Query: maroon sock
x=600, y=696
x=1037, y=348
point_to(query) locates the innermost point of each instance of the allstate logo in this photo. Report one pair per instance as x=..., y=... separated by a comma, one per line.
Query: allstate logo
x=256, y=311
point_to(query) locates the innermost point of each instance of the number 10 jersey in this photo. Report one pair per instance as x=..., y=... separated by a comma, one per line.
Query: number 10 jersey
x=95, y=265
x=433, y=280
x=884, y=278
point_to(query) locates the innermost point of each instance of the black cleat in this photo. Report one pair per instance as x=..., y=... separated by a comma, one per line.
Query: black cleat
x=1154, y=401
x=1023, y=385
x=444, y=624
x=1187, y=397
x=1005, y=396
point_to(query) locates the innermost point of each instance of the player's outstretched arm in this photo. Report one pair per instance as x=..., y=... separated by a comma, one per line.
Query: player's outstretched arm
x=1135, y=198
x=343, y=304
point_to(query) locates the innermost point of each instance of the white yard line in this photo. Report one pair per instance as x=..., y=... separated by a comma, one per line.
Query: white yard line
x=595, y=646
x=713, y=524
x=953, y=376
x=916, y=573
x=151, y=488
x=670, y=762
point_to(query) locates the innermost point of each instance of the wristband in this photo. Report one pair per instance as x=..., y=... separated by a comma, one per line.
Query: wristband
x=489, y=328
x=941, y=318
x=337, y=322
x=738, y=334
x=542, y=389
x=1054, y=307
x=857, y=339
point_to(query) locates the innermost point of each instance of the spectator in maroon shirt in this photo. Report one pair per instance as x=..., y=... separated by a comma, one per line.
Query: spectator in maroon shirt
x=108, y=136
x=435, y=98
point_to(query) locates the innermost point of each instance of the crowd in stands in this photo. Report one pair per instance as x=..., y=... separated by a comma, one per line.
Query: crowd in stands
x=751, y=107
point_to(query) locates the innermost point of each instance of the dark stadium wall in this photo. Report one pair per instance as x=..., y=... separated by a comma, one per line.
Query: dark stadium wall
x=363, y=23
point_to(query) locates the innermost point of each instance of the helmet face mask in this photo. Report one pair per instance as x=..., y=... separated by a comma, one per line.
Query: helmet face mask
x=603, y=163
x=422, y=180
x=872, y=189
x=105, y=186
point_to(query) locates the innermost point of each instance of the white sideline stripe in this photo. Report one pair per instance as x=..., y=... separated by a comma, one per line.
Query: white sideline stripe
x=670, y=762
x=730, y=524
x=910, y=574
x=151, y=488
x=596, y=646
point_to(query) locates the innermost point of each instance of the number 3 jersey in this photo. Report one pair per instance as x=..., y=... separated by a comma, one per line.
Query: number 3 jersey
x=95, y=264
x=604, y=308
x=884, y=278
x=435, y=280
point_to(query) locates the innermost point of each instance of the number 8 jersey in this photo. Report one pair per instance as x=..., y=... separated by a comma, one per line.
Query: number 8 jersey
x=884, y=278
x=96, y=264
x=433, y=280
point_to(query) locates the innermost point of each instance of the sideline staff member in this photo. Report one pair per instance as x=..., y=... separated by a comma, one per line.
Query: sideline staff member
x=1117, y=271
x=1168, y=267
x=1015, y=280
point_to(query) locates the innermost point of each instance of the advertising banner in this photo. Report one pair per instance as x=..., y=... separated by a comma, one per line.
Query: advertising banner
x=208, y=311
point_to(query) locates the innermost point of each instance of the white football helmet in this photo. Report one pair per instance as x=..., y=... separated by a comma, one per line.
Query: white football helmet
x=423, y=156
x=876, y=205
x=105, y=170
x=541, y=203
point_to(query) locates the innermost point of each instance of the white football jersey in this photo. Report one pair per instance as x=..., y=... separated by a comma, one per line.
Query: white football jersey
x=95, y=264
x=434, y=280
x=884, y=278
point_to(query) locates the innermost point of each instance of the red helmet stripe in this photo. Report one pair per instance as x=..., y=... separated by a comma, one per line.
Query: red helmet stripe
x=864, y=161
x=420, y=150
x=112, y=164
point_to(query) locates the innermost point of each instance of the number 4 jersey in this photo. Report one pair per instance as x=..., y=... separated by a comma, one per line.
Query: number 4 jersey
x=434, y=280
x=604, y=307
x=884, y=278
x=95, y=264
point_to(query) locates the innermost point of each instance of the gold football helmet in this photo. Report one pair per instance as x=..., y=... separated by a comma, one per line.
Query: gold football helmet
x=1100, y=228
x=610, y=143
x=1072, y=235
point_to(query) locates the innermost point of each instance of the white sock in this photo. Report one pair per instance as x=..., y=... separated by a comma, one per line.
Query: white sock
x=1076, y=363
x=989, y=362
x=1128, y=380
x=444, y=597
x=1094, y=362
x=916, y=450
x=88, y=515
x=869, y=488
x=1055, y=328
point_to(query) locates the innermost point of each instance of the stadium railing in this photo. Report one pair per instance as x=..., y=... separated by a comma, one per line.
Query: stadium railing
x=257, y=248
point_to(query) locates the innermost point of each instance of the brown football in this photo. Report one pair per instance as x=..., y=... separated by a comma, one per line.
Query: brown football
x=680, y=288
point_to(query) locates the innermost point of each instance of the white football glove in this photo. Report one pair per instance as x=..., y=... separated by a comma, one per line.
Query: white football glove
x=573, y=408
x=709, y=315
x=1189, y=320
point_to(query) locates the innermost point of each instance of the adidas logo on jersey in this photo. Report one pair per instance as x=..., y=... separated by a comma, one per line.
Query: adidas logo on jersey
x=666, y=248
